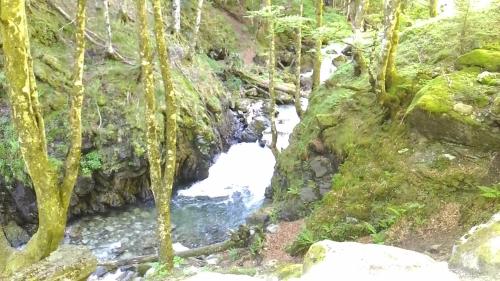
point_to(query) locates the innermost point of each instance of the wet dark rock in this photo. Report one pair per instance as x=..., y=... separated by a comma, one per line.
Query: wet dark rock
x=24, y=199
x=15, y=234
x=218, y=54
x=308, y=195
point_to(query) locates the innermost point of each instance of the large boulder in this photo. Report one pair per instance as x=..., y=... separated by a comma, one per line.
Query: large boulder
x=457, y=108
x=73, y=263
x=487, y=59
x=479, y=249
x=327, y=260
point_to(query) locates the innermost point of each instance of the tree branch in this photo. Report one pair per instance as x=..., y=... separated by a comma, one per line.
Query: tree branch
x=72, y=164
x=92, y=36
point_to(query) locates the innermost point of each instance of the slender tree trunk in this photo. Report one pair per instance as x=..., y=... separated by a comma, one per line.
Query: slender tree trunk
x=176, y=15
x=298, y=57
x=52, y=199
x=391, y=11
x=357, y=25
x=316, y=77
x=164, y=194
x=197, y=24
x=272, y=91
x=109, y=35
x=153, y=148
x=391, y=62
x=433, y=8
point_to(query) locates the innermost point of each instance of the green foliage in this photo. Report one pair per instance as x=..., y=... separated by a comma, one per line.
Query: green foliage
x=178, y=261
x=90, y=162
x=257, y=244
x=11, y=162
x=234, y=254
x=302, y=243
x=492, y=192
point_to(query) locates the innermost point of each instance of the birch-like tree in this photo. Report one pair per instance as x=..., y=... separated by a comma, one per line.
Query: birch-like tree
x=386, y=67
x=53, y=195
x=161, y=178
x=433, y=8
x=272, y=73
x=361, y=6
x=110, y=51
x=176, y=16
x=316, y=77
x=199, y=10
x=298, y=61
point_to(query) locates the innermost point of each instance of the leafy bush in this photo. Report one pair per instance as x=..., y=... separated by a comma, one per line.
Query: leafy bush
x=90, y=162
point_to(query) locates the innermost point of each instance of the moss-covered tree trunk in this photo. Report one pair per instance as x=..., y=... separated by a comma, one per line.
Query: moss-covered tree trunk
x=163, y=196
x=153, y=146
x=433, y=8
x=357, y=24
x=391, y=62
x=199, y=10
x=316, y=77
x=298, y=59
x=272, y=71
x=52, y=196
x=385, y=65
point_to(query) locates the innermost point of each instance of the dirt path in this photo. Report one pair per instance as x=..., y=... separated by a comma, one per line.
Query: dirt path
x=246, y=41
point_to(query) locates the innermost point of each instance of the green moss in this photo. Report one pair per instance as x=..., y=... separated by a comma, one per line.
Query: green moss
x=487, y=59
x=289, y=271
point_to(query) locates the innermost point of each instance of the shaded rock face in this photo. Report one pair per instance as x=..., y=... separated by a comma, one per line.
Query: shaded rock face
x=356, y=261
x=479, y=249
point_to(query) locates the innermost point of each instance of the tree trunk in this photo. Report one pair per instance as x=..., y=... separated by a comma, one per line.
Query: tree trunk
x=272, y=92
x=298, y=57
x=357, y=24
x=164, y=194
x=433, y=8
x=176, y=15
x=109, y=36
x=52, y=199
x=316, y=77
x=197, y=24
x=391, y=62
x=391, y=11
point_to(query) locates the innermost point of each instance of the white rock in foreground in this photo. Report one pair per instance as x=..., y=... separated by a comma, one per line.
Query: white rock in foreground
x=329, y=260
x=212, y=276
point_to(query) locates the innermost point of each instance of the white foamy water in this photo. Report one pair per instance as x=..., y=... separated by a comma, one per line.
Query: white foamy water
x=246, y=168
x=328, y=53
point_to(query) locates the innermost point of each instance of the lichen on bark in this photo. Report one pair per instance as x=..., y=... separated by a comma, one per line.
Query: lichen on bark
x=52, y=195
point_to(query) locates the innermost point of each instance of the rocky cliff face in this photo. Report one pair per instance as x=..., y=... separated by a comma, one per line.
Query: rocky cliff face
x=113, y=167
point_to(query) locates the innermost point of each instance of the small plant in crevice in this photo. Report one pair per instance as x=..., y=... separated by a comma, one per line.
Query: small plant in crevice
x=492, y=192
x=257, y=244
x=378, y=237
x=234, y=254
x=90, y=162
x=302, y=243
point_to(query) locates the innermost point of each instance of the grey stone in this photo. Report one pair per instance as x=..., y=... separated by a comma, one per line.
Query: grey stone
x=320, y=166
x=308, y=194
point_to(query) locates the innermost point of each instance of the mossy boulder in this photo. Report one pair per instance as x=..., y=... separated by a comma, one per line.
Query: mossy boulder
x=66, y=263
x=452, y=107
x=479, y=249
x=487, y=59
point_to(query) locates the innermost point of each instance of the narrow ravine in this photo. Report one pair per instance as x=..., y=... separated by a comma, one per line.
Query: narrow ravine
x=205, y=212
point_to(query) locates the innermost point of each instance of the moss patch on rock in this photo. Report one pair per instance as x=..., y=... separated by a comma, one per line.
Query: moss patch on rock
x=486, y=59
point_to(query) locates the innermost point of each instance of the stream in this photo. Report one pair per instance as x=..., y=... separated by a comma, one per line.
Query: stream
x=202, y=214
x=205, y=212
